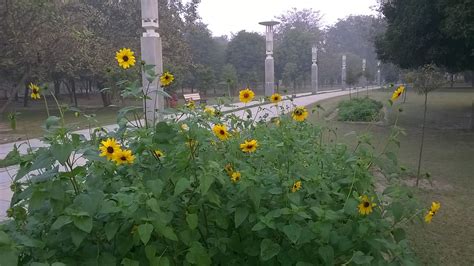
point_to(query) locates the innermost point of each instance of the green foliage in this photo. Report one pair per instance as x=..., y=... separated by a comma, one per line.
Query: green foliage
x=359, y=109
x=421, y=32
x=71, y=205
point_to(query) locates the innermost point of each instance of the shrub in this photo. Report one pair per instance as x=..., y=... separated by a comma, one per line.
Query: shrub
x=360, y=109
x=294, y=200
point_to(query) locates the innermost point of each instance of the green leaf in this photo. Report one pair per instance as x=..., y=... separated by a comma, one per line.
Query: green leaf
x=77, y=237
x=61, y=152
x=206, y=182
x=293, y=232
x=192, y=220
x=240, y=214
x=181, y=186
x=268, y=249
x=198, y=255
x=167, y=232
x=150, y=252
x=60, y=222
x=51, y=121
x=4, y=239
x=129, y=262
x=83, y=222
x=397, y=211
x=327, y=253
x=111, y=229
x=359, y=258
x=9, y=256
x=144, y=231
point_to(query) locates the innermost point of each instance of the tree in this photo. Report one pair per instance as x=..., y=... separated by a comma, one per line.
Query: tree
x=246, y=52
x=230, y=77
x=421, y=32
x=425, y=80
x=295, y=36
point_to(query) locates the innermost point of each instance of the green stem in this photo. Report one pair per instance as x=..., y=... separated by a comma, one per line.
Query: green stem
x=60, y=109
x=46, y=104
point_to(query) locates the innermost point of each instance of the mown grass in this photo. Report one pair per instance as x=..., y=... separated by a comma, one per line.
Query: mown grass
x=448, y=157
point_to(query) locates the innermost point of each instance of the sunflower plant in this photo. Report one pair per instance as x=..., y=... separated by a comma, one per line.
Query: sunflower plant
x=230, y=191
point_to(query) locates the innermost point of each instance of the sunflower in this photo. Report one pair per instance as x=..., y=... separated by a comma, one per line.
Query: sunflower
x=396, y=94
x=296, y=186
x=433, y=210
x=249, y=146
x=108, y=148
x=246, y=95
x=159, y=154
x=235, y=177
x=365, y=206
x=299, y=114
x=276, y=121
x=221, y=132
x=35, y=91
x=191, y=105
x=210, y=110
x=123, y=157
x=229, y=169
x=125, y=58
x=166, y=79
x=275, y=98
x=184, y=127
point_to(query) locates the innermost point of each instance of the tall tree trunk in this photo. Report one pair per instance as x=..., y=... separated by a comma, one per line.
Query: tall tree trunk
x=57, y=88
x=422, y=140
x=73, y=89
x=25, y=95
x=14, y=93
x=472, y=116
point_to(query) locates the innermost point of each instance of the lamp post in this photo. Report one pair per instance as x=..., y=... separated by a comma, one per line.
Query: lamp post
x=151, y=51
x=269, y=62
x=344, y=72
x=314, y=70
x=364, y=67
x=379, y=76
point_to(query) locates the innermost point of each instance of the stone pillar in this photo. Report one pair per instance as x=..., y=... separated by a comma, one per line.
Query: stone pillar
x=314, y=71
x=151, y=51
x=344, y=72
x=379, y=74
x=269, y=62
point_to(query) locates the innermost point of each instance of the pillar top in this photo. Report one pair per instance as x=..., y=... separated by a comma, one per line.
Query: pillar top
x=269, y=23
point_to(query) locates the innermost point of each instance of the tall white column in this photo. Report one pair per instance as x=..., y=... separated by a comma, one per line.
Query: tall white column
x=379, y=76
x=314, y=70
x=344, y=72
x=269, y=62
x=151, y=51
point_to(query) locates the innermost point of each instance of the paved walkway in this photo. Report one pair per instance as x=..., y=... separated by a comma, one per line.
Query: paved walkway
x=266, y=110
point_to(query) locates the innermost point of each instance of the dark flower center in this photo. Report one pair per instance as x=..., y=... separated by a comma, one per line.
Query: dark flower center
x=249, y=146
x=366, y=204
x=222, y=132
x=123, y=158
x=298, y=112
x=167, y=77
x=110, y=150
x=246, y=95
x=35, y=91
x=125, y=58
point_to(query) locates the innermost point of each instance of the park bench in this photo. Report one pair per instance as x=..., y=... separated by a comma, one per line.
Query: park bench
x=193, y=97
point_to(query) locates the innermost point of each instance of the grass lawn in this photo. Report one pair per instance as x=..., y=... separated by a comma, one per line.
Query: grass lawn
x=448, y=157
x=29, y=122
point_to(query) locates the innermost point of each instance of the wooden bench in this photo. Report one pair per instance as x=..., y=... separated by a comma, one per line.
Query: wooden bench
x=193, y=97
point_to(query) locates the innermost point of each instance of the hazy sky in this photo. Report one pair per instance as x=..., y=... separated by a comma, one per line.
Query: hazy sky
x=231, y=16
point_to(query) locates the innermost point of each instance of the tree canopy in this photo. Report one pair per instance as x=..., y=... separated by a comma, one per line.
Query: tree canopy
x=421, y=32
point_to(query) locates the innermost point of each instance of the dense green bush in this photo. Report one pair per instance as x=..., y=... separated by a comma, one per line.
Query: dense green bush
x=360, y=109
x=185, y=206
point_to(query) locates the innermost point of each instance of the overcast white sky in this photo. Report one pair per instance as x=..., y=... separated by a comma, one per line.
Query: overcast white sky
x=231, y=16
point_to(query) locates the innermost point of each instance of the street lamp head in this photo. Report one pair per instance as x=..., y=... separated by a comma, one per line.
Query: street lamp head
x=269, y=23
